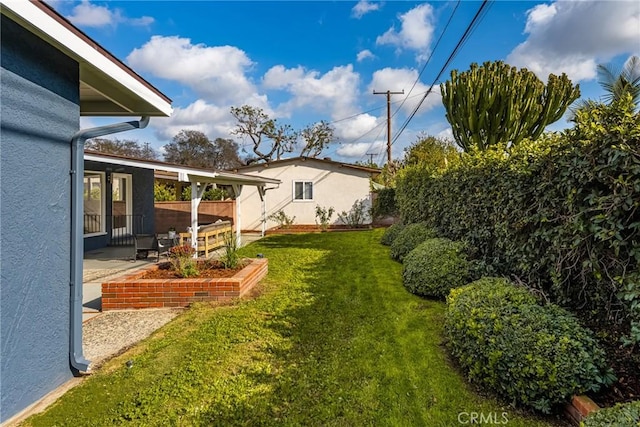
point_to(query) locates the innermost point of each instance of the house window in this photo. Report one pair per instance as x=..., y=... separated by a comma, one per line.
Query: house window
x=302, y=190
x=94, y=203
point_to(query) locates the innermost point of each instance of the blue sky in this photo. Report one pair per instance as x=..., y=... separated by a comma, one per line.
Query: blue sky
x=305, y=61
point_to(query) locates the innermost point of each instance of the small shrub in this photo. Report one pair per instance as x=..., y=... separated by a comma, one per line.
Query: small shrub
x=282, y=219
x=410, y=237
x=435, y=267
x=323, y=217
x=230, y=257
x=357, y=216
x=622, y=414
x=532, y=355
x=391, y=233
x=182, y=261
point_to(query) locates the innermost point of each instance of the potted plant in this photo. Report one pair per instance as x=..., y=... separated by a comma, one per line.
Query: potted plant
x=172, y=232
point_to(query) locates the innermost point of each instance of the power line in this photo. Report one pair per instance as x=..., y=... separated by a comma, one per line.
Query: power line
x=435, y=47
x=476, y=19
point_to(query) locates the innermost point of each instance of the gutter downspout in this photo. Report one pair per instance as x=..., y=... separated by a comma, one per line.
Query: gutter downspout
x=76, y=357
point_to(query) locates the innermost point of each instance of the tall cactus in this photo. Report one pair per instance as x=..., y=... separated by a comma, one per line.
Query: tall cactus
x=495, y=104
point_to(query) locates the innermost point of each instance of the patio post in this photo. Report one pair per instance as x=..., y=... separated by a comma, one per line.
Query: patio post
x=196, y=197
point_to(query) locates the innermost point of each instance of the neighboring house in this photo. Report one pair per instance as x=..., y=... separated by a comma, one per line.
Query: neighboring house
x=51, y=73
x=307, y=182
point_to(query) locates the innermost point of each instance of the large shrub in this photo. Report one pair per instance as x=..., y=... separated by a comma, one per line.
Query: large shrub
x=561, y=213
x=622, y=414
x=391, y=233
x=410, y=237
x=534, y=355
x=435, y=267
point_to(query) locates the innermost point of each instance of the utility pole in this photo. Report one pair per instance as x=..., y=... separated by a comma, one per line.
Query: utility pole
x=388, y=93
x=371, y=157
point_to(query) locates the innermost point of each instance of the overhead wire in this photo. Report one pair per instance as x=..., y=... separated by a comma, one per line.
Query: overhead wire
x=435, y=47
x=470, y=28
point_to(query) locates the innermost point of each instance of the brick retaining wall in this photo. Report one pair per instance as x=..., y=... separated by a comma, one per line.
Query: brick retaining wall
x=131, y=292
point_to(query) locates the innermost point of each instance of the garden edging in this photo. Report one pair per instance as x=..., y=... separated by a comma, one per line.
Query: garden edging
x=132, y=292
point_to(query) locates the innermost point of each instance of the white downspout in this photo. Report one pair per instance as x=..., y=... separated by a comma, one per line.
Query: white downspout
x=76, y=356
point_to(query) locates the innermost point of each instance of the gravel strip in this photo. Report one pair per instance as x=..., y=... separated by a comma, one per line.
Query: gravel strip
x=113, y=332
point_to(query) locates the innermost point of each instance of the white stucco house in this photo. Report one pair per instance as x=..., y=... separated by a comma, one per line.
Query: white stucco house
x=306, y=182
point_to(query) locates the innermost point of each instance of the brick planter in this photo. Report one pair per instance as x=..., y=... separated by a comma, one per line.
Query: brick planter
x=131, y=292
x=579, y=408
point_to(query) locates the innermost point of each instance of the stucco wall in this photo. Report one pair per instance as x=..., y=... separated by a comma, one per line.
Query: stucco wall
x=142, y=199
x=39, y=114
x=333, y=186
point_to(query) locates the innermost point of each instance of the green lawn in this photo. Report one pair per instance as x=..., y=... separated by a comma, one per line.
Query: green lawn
x=333, y=339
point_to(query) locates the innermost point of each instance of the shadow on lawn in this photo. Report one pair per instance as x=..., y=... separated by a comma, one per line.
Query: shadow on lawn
x=319, y=375
x=355, y=348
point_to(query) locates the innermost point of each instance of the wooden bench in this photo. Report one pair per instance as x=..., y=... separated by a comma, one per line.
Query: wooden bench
x=210, y=237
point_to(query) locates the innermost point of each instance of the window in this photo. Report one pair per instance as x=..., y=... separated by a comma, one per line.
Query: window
x=94, y=202
x=302, y=190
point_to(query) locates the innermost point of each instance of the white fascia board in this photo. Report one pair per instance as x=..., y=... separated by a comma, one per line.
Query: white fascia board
x=82, y=51
x=191, y=174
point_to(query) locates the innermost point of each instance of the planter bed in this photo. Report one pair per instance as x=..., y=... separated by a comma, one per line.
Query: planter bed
x=131, y=292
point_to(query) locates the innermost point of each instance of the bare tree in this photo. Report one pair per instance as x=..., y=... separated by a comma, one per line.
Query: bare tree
x=316, y=138
x=268, y=138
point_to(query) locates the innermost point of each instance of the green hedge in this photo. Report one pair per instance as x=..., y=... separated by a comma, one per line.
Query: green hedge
x=408, y=238
x=561, y=213
x=533, y=355
x=384, y=203
x=435, y=267
x=622, y=414
x=391, y=233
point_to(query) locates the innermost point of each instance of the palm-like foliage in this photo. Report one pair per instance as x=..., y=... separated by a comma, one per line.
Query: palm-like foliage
x=616, y=83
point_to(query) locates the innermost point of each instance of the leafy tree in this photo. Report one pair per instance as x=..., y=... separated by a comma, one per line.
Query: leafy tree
x=122, y=147
x=268, y=138
x=436, y=153
x=193, y=148
x=227, y=154
x=496, y=104
x=316, y=138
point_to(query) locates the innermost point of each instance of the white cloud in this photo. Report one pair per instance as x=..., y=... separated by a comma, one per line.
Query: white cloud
x=574, y=36
x=446, y=133
x=397, y=79
x=416, y=32
x=217, y=73
x=334, y=93
x=363, y=7
x=210, y=119
x=356, y=127
x=364, y=54
x=87, y=14
x=360, y=149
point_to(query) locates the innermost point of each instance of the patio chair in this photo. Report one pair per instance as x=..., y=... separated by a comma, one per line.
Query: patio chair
x=145, y=243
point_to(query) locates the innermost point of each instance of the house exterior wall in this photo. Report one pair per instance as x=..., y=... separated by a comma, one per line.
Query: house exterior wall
x=142, y=199
x=39, y=114
x=333, y=186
